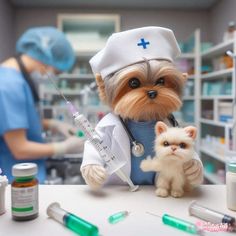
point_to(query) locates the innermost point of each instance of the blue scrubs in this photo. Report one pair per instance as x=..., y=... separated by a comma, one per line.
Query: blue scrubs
x=143, y=132
x=17, y=111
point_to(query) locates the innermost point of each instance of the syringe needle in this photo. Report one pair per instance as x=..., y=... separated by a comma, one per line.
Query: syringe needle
x=55, y=86
x=150, y=213
x=70, y=106
x=94, y=138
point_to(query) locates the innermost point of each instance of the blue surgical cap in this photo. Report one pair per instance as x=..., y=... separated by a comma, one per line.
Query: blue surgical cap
x=47, y=45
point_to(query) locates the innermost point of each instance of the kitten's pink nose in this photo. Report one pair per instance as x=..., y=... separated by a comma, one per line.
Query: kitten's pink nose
x=173, y=148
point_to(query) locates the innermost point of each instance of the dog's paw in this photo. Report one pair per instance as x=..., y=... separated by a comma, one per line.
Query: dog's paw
x=177, y=193
x=162, y=192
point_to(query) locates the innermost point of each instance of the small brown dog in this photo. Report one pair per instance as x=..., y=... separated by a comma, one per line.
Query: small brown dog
x=139, y=94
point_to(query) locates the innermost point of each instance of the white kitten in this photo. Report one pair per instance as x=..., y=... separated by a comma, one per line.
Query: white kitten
x=173, y=147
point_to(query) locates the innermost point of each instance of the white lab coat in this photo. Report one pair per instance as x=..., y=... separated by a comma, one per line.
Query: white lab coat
x=113, y=134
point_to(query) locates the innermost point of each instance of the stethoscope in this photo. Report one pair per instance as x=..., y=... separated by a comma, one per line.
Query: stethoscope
x=137, y=148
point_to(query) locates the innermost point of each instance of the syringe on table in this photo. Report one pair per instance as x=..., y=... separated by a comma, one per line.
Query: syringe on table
x=180, y=224
x=113, y=164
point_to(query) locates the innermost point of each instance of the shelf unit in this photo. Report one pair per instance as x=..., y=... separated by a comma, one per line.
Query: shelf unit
x=217, y=74
x=218, y=49
x=209, y=103
x=196, y=100
x=213, y=178
x=188, y=114
x=215, y=123
x=87, y=34
x=216, y=95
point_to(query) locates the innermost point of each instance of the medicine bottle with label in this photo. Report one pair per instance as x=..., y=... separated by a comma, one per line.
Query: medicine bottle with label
x=24, y=192
x=231, y=186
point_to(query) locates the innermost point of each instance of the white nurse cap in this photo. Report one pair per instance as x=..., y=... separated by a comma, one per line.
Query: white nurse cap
x=132, y=46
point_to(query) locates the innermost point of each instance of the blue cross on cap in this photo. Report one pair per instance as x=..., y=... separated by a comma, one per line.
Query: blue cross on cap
x=143, y=43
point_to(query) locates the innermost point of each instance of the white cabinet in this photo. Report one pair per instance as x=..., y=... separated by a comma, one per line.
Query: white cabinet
x=88, y=33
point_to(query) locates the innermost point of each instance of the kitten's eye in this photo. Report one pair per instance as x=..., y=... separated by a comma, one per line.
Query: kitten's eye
x=160, y=81
x=134, y=83
x=166, y=144
x=182, y=145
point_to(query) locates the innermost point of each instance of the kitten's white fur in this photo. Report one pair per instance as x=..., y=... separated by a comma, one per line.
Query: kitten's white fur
x=169, y=159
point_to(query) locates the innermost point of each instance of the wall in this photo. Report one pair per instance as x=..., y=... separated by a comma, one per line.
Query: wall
x=213, y=23
x=183, y=24
x=7, y=34
x=223, y=12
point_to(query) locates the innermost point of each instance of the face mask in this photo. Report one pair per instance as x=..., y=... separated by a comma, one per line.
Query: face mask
x=39, y=78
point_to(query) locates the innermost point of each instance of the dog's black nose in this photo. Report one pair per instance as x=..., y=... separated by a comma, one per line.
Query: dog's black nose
x=152, y=94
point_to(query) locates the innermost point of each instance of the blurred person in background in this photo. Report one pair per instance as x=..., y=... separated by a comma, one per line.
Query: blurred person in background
x=41, y=52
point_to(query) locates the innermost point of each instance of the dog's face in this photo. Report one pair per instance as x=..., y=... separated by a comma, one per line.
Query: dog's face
x=149, y=90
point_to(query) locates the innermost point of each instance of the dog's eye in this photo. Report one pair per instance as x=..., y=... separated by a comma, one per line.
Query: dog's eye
x=134, y=83
x=166, y=144
x=160, y=81
x=182, y=145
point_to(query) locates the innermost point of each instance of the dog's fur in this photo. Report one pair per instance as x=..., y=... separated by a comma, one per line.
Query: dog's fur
x=173, y=147
x=115, y=90
x=135, y=104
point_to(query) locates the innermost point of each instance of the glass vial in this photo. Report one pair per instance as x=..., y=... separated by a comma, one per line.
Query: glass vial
x=231, y=186
x=24, y=192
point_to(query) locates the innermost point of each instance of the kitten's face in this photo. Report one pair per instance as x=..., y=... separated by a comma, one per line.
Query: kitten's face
x=175, y=144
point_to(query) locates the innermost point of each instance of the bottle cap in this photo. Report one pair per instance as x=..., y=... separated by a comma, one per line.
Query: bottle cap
x=24, y=169
x=232, y=167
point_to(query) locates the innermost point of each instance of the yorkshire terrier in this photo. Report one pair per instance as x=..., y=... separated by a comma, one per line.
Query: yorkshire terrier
x=143, y=92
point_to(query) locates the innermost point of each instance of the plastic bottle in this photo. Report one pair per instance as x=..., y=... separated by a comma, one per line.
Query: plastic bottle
x=231, y=186
x=3, y=184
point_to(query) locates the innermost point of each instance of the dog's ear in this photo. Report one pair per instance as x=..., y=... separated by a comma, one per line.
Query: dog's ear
x=160, y=127
x=101, y=87
x=191, y=131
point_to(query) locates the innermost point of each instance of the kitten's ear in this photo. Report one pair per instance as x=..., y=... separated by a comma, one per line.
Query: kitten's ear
x=160, y=127
x=101, y=87
x=191, y=131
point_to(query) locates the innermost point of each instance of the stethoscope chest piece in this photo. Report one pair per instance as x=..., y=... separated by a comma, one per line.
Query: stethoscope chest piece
x=137, y=149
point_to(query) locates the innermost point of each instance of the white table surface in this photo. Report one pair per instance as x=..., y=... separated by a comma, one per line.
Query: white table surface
x=96, y=208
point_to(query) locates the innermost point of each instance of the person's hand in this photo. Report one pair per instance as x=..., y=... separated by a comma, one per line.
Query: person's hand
x=72, y=145
x=61, y=127
x=193, y=171
x=94, y=175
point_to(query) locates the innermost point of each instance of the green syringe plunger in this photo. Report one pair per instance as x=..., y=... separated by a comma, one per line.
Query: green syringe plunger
x=117, y=217
x=178, y=223
x=71, y=221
